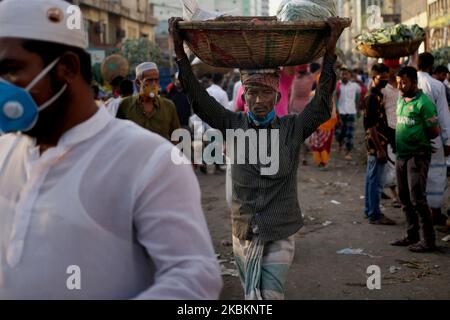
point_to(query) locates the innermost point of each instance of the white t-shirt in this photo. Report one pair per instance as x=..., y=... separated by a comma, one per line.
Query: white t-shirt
x=108, y=200
x=347, y=98
x=112, y=105
x=391, y=96
x=219, y=94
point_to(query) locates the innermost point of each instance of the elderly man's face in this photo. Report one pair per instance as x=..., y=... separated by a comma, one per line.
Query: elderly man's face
x=260, y=99
x=150, y=78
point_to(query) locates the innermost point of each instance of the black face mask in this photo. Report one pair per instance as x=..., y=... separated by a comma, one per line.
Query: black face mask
x=383, y=83
x=409, y=94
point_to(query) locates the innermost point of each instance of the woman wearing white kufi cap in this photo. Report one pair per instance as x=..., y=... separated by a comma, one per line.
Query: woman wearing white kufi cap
x=91, y=207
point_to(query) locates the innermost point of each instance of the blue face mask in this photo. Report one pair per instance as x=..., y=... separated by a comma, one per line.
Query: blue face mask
x=262, y=122
x=18, y=111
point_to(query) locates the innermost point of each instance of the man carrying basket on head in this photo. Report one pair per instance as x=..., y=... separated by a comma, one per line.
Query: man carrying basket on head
x=265, y=210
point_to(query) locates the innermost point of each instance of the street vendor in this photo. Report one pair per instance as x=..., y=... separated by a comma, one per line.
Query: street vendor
x=265, y=210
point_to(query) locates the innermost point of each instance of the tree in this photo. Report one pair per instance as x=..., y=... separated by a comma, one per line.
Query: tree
x=140, y=50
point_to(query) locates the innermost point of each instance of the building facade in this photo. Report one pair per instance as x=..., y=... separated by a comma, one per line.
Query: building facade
x=365, y=14
x=109, y=22
x=165, y=9
x=438, y=23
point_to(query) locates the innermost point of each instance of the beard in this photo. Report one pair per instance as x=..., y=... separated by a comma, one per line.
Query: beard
x=409, y=94
x=53, y=117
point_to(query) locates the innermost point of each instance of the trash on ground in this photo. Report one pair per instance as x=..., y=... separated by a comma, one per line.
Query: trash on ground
x=394, y=269
x=327, y=223
x=335, y=202
x=350, y=251
x=340, y=184
x=358, y=251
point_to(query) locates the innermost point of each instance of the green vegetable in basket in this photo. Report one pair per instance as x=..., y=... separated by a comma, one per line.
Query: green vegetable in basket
x=306, y=10
x=398, y=33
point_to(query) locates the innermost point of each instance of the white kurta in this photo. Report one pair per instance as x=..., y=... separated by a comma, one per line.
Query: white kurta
x=219, y=94
x=113, y=106
x=437, y=174
x=109, y=200
x=347, y=98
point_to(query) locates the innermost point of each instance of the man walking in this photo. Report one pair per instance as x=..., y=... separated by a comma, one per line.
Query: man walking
x=348, y=98
x=417, y=125
x=148, y=109
x=265, y=211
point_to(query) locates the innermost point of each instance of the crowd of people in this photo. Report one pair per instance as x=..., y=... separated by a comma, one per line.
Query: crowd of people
x=79, y=185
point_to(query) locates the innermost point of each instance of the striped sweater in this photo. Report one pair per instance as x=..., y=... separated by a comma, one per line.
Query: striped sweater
x=265, y=204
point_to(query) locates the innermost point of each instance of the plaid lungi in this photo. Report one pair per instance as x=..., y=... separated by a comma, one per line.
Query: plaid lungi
x=263, y=266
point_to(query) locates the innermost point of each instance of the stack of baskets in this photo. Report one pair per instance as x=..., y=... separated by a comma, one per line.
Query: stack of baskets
x=256, y=42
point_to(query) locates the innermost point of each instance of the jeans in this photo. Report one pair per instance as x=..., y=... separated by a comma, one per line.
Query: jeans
x=345, y=131
x=373, y=185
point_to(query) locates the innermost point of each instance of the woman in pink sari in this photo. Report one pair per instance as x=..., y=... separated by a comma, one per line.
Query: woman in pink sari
x=301, y=90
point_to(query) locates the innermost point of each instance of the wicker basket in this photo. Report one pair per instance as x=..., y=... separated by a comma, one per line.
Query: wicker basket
x=113, y=66
x=256, y=42
x=391, y=50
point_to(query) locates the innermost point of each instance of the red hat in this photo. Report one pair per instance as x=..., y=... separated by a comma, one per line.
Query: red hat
x=392, y=63
x=302, y=68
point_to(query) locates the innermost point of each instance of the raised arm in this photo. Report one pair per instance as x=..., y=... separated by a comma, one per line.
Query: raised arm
x=319, y=109
x=205, y=106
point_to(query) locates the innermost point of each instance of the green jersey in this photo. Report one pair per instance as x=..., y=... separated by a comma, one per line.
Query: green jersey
x=413, y=119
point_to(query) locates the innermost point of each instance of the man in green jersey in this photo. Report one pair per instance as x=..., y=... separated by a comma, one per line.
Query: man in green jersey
x=417, y=124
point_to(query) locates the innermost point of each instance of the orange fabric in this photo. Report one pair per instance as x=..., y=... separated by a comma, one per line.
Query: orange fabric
x=330, y=124
x=321, y=157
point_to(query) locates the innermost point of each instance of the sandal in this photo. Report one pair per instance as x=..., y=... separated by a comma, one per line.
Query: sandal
x=403, y=242
x=421, y=247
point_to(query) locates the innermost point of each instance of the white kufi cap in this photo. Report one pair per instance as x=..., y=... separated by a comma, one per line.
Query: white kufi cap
x=146, y=66
x=54, y=21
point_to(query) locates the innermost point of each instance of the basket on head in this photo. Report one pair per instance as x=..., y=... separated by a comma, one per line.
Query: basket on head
x=391, y=50
x=114, y=65
x=256, y=42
